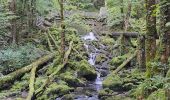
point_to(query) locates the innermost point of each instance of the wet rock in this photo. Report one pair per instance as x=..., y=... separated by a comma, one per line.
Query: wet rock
x=68, y=97
x=87, y=71
x=113, y=82
x=55, y=90
x=100, y=58
x=103, y=72
x=71, y=80
x=98, y=3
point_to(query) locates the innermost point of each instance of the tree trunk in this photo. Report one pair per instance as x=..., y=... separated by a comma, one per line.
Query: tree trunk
x=141, y=53
x=165, y=31
x=61, y=2
x=150, y=35
x=12, y=8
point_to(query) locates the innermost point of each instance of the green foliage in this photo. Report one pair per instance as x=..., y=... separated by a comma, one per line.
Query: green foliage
x=13, y=58
x=158, y=95
x=76, y=22
x=151, y=85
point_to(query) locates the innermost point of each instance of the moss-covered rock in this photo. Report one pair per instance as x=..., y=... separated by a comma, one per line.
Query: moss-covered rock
x=55, y=90
x=113, y=82
x=105, y=93
x=158, y=95
x=116, y=61
x=87, y=71
x=68, y=97
x=107, y=40
x=100, y=58
x=71, y=79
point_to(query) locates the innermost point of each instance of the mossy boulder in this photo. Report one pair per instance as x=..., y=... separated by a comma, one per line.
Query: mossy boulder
x=106, y=40
x=116, y=61
x=158, y=95
x=100, y=58
x=87, y=71
x=71, y=79
x=68, y=97
x=104, y=93
x=113, y=82
x=55, y=90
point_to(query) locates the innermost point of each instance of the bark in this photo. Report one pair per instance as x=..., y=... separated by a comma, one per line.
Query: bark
x=40, y=90
x=150, y=35
x=141, y=53
x=125, y=63
x=31, y=85
x=12, y=8
x=128, y=14
x=49, y=43
x=54, y=41
x=126, y=34
x=10, y=78
x=165, y=31
x=61, y=3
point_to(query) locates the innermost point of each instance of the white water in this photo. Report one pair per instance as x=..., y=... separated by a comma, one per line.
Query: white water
x=92, y=58
x=90, y=36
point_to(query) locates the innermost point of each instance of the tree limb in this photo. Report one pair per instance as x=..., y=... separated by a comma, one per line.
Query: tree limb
x=40, y=91
x=10, y=78
x=125, y=63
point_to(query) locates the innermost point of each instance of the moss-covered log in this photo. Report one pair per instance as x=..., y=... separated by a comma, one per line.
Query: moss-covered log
x=40, y=90
x=31, y=85
x=10, y=78
x=124, y=63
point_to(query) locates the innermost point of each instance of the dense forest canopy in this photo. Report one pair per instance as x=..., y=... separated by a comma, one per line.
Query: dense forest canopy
x=84, y=49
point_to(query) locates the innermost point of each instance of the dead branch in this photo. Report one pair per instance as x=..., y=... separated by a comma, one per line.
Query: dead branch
x=125, y=63
x=10, y=78
x=40, y=91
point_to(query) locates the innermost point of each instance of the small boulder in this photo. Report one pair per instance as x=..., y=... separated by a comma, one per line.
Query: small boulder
x=113, y=82
x=85, y=70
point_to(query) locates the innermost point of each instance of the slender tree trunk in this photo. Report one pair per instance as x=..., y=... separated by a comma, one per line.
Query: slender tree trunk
x=150, y=35
x=165, y=31
x=12, y=8
x=141, y=53
x=61, y=2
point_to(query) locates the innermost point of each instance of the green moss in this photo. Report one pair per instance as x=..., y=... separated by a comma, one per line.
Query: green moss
x=157, y=95
x=105, y=92
x=116, y=61
x=113, y=82
x=55, y=90
x=107, y=40
x=86, y=70
x=71, y=79
x=100, y=58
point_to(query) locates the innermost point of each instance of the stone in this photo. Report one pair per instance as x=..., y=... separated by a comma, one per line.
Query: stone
x=87, y=71
x=113, y=82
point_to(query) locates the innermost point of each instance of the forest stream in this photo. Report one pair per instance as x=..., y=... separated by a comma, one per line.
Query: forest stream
x=84, y=49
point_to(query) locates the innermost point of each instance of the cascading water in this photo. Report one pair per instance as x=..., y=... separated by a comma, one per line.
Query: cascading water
x=92, y=57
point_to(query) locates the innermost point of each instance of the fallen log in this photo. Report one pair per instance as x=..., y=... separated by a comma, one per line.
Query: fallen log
x=31, y=85
x=125, y=63
x=40, y=90
x=126, y=34
x=10, y=78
